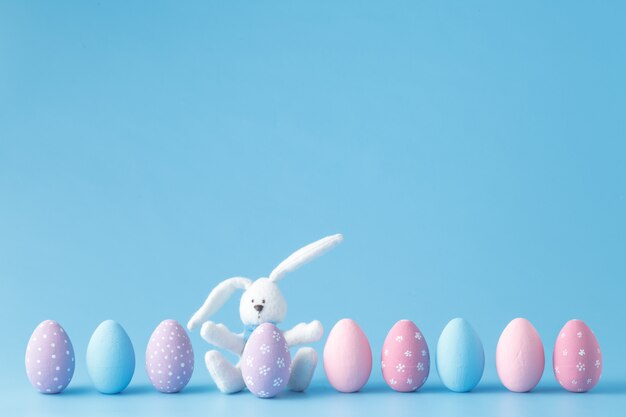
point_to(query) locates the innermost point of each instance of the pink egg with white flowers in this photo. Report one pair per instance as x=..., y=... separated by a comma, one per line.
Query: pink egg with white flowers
x=405, y=358
x=577, y=358
x=266, y=361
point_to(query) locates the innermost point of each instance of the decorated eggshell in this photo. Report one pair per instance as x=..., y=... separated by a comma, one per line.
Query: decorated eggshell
x=405, y=359
x=169, y=357
x=460, y=356
x=110, y=358
x=347, y=357
x=520, y=358
x=266, y=361
x=49, y=358
x=577, y=358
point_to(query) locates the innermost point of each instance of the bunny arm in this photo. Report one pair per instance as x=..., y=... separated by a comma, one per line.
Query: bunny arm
x=219, y=336
x=304, y=333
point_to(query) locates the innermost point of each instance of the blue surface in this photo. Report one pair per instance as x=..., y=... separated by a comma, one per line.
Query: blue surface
x=472, y=154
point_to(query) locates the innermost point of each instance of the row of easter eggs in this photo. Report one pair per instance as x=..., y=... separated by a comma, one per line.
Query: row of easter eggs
x=460, y=359
x=110, y=358
x=266, y=360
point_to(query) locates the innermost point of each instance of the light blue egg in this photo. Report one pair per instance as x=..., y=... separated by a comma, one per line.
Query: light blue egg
x=460, y=356
x=110, y=358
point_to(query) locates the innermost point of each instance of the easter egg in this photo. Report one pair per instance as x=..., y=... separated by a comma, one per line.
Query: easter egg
x=577, y=358
x=519, y=356
x=266, y=361
x=169, y=357
x=110, y=358
x=347, y=357
x=49, y=358
x=460, y=356
x=405, y=360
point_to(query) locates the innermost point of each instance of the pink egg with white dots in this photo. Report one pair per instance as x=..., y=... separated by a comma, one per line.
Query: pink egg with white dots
x=577, y=359
x=169, y=357
x=49, y=358
x=405, y=359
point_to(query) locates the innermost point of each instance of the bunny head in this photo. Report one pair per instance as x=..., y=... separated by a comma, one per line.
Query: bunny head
x=262, y=300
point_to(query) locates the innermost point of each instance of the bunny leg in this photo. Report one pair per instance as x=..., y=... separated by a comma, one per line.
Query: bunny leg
x=302, y=368
x=227, y=377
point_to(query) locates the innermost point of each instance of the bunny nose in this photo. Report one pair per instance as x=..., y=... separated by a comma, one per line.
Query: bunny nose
x=258, y=307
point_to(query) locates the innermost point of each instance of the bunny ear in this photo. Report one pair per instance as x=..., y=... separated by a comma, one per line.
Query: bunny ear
x=217, y=297
x=304, y=255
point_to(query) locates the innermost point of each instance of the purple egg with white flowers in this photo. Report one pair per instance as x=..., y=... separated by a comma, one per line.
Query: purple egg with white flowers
x=169, y=357
x=266, y=361
x=49, y=358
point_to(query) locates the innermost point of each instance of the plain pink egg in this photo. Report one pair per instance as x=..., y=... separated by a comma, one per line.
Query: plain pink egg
x=347, y=357
x=520, y=359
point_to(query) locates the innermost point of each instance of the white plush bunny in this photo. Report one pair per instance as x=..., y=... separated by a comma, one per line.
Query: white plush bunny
x=261, y=302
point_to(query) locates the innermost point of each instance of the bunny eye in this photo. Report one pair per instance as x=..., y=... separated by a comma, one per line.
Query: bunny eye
x=253, y=300
x=263, y=301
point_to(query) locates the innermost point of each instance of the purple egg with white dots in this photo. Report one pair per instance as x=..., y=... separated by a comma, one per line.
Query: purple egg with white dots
x=169, y=357
x=266, y=361
x=49, y=358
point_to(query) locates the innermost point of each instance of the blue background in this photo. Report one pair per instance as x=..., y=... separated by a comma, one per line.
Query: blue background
x=472, y=153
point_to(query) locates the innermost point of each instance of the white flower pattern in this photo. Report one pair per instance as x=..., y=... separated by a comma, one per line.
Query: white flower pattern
x=280, y=362
x=399, y=360
x=578, y=358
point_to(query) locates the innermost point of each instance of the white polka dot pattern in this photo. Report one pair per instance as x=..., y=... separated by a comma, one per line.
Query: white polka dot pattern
x=169, y=357
x=49, y=358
